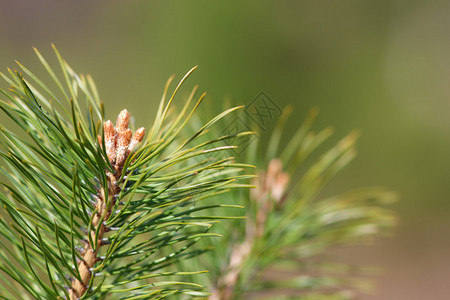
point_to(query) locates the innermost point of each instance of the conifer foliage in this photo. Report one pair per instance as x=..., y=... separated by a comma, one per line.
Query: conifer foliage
x=91, y=211
x=96, y=210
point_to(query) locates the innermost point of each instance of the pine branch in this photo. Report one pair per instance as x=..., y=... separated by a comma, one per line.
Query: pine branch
x=92, y=211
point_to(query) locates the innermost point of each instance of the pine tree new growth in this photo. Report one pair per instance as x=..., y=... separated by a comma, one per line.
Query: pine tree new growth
x=119, y=143
x=91, y=211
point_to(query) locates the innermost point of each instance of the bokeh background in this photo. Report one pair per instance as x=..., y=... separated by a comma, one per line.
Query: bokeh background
x=381, y=66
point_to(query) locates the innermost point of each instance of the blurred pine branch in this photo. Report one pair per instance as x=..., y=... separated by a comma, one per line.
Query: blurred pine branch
x=280, y=250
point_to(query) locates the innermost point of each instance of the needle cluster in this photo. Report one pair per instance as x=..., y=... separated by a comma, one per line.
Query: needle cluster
x=92, y=211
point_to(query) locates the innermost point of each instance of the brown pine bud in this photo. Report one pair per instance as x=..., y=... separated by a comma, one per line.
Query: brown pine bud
x=122, y=121
x=279, y=186
x=137, y=137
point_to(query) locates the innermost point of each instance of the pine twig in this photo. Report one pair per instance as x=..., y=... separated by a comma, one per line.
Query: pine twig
x=119, y=143
x=68, y=172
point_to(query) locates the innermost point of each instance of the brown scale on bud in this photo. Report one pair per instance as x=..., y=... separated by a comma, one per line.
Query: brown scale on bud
x=110, y=140
x=123, y=140
x=119, y=143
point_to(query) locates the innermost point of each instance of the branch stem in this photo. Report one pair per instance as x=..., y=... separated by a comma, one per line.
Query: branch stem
x=90, y=256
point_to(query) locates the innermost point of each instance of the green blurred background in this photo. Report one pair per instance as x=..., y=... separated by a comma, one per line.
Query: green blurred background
x=380, y=66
